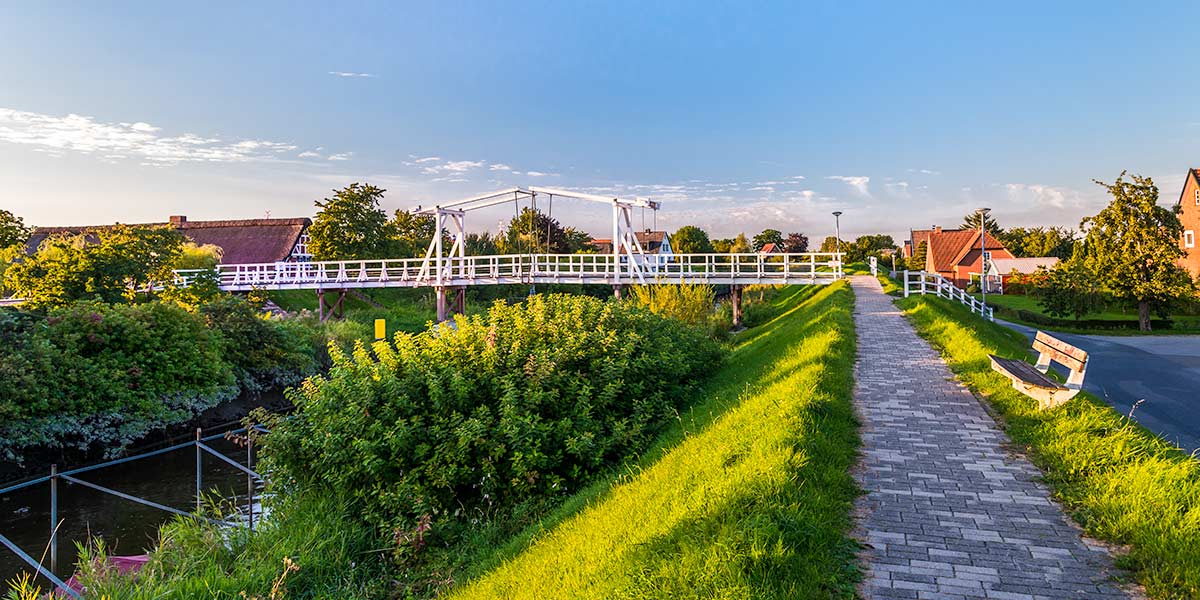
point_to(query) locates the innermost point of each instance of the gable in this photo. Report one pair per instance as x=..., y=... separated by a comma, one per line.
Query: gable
x=1187, y=196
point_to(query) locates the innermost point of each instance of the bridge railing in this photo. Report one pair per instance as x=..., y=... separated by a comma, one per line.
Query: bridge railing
x=528, y=268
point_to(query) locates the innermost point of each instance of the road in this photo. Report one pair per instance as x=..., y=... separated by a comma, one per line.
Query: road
x=1163, y=370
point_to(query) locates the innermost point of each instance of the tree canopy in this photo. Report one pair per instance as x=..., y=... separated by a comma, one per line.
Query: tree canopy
x=795, y=242
x=1132, y=246
x=13, y=231
x=533, y=231
x=768, y=236
x=691, y=240
x=1039, y=241
x=971, y=221
x=350, y=225
x=411, y=233
x=109, y=264
x=740, y=245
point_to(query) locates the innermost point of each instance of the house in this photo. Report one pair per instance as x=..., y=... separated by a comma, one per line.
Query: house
x=1189, y=216
x=771, y=248
x=1001, y=270
x=652, y=242
x=244, y=241
x=915, y=237
x=955, y=254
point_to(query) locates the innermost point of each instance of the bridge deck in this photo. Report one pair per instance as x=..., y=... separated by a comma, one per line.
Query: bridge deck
x=739, y=269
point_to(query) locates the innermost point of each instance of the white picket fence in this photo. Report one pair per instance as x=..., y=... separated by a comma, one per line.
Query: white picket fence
x=921, y=282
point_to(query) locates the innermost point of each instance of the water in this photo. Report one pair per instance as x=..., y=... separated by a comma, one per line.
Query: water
x=127, y=527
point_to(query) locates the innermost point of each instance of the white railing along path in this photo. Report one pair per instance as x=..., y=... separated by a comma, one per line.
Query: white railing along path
x=921, y=282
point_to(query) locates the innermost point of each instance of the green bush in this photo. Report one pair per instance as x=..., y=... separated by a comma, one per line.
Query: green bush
x=264, y=353
x=459, y=423
x=99, y=375
x=690, y=303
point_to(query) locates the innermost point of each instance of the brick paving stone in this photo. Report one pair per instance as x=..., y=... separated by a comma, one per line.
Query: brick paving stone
x=948, y=512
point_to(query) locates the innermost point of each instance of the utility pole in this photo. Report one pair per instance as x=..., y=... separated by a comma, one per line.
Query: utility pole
x=983, y=258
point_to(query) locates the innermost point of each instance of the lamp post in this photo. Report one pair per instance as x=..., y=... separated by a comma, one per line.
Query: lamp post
x=983, y=257
x=837, y=233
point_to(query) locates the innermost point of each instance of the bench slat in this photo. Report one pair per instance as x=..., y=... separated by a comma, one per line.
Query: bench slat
x=1072, y=351
x=1058, y=356
x=1019, y=369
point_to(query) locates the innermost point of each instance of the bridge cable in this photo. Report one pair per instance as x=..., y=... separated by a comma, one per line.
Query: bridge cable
x=549, y=222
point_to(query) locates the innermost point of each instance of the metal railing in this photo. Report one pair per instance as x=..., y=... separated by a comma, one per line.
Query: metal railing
x=749, y=268
x=199, y=443
x=921, y=282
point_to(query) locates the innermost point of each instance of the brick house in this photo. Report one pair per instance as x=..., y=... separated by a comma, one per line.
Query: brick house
x=955, y=253
x=1189, y=216
x=243, y=241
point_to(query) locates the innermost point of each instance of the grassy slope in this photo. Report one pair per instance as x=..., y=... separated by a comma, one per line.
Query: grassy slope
x=1116, y=479
x=750, y=496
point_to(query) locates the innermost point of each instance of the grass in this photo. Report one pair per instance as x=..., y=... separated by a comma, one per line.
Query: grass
x=748, y=496
x=1119, y=481
x=1007, y=306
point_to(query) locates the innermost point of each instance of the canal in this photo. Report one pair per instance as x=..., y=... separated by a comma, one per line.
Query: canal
x=127, y=528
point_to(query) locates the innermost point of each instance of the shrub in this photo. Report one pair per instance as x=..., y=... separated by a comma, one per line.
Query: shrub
x=264, y=353
x=457, y=423
x=690, y=302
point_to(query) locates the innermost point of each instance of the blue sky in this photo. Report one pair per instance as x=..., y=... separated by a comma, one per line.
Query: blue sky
x=737, y=117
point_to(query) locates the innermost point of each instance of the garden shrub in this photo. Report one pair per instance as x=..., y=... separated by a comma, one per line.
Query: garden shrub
x=264, y=354
x=459, y=423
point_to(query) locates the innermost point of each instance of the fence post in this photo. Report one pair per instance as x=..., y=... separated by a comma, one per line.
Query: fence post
x=906, y=283
x=249, y=478
x=199, y=481
x=54, y=517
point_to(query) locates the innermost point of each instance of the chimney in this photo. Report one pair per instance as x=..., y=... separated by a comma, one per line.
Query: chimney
x=178, y=221
x=937, y=228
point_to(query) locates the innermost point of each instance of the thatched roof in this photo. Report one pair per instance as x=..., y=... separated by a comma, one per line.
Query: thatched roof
x=242, y=241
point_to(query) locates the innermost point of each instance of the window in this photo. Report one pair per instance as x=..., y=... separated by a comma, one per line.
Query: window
x=1198, y=197
x=1189, y=239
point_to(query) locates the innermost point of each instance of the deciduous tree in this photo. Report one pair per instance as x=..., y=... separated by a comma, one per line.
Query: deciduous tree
x=1132, y=247
x=13, y=231
x=691, y=240
x=768, y=236
x=795, y=242
x=740, y=245
x=350, y=225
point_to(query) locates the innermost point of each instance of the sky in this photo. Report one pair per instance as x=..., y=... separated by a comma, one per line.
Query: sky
x=735, y=116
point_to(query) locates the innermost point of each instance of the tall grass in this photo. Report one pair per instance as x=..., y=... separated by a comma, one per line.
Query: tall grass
x=748, y=497
x=1120, y=482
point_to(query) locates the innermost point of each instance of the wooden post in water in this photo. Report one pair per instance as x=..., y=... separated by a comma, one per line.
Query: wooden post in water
x=54, y=517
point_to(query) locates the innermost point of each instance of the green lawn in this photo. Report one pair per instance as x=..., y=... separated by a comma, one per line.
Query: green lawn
x=1007, y=305
x=1120, y=482
x=749, y=495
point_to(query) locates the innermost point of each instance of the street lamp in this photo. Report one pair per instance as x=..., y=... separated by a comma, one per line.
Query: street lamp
x=983, y=257
x=837, y=233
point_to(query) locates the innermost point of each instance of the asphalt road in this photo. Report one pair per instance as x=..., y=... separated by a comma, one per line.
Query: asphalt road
x=1163, y=370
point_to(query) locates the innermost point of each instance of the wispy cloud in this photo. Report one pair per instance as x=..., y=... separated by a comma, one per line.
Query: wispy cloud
x=925, y=171
x=500, y=167
x=309, y=154
x=341, y=156
x=115, y=141
x=454, y=166
x=351, y=74
x=858, y=182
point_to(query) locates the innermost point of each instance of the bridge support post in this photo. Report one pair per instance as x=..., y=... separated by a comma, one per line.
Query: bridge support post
x=459, y=305
x=440, y=292
x=617, y=291
x=735, y=301
x=334, y=310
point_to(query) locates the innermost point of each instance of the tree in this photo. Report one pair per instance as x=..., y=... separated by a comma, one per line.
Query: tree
x=481, y=244
x=1069, y=290
x=916, y=262
x=350, y=225
x=691, y=240
x=1132, y=247
x=971, y=221
x=868, y=245
x=13, y=231
x=740, y=245
x=533, y=231
x=412, y=233
x=768, y=236
x=830, y=244
x=1039, y=241
x=110, y=264
x=795, y=242
x=722, y=245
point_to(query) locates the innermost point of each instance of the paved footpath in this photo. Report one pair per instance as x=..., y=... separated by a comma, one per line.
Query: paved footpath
x=949, y=512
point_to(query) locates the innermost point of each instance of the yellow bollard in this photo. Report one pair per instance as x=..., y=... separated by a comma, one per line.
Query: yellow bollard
x=380, y=329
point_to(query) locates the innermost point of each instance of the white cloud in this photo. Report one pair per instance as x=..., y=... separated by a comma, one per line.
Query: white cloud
x=537, y=174
x=500, y=167
x=427, y=159
x=351, y=74
x=858, y=182
x=78, y=133
x=309, y=154
x=1044, y=195
x=454, y=166
x=899, y=189
x=925, y=171
x=341, y=156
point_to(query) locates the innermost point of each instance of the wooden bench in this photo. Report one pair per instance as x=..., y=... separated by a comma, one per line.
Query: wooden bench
x=1032, y=380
